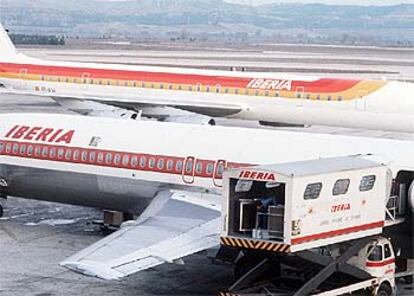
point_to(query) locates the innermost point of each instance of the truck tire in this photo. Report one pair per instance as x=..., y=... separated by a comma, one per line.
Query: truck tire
x=384, y=290
x=1, y=211
x=408, y=279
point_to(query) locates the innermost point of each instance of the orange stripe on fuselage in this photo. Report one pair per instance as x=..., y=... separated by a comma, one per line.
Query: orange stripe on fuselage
x=322, y=86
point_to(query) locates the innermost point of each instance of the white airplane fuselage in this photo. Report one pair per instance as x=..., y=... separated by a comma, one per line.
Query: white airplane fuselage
x=271, y=97
x=122, y=165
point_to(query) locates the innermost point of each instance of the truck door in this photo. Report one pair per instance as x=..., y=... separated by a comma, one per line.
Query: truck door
x=189, y=170
x=219, y=167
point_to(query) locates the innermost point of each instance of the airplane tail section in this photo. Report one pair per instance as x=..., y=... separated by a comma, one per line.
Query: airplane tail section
x=7, y=49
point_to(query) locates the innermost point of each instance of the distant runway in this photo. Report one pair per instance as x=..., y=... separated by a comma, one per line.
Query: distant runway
x=337, y=61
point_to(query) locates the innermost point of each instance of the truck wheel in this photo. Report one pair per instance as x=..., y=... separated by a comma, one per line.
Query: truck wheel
x=384, y=290
x=1, y=211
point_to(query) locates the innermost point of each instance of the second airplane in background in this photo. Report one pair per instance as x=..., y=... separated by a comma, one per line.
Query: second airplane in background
x=192, y=95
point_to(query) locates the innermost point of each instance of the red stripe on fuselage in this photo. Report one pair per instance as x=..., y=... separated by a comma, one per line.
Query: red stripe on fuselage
x=324, y=85
x=333, y=233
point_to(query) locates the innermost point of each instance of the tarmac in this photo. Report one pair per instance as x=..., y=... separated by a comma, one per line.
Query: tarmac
x=35, y=236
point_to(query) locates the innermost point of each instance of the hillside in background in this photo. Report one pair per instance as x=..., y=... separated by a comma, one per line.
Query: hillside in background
x=212, y=21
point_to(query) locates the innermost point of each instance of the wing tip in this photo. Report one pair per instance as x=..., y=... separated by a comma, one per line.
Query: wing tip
x=93, y=269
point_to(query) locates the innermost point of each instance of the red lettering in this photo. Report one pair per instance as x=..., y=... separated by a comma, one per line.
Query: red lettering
x=66, y=137
x=43, y=134
x=32, y=132
x=271, y=177
x=246, y=174
x=253, y=175
x=53, y=137
x=11, y=131
x=260, y=176
x=20, y=132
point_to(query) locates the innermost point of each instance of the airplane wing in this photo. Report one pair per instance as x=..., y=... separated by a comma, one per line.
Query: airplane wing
x=173, y=226
x=196, y=106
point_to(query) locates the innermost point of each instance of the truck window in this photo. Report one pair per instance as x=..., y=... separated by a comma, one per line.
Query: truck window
x=375, y=253
x=367, y=183
x=243, y=185
x=312, y=191
x=387, y=251
x=341, y=187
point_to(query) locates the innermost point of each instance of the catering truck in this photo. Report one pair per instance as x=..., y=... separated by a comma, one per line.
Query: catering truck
x=321, y=227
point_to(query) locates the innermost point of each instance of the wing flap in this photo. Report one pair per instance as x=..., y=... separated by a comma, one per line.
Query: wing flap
x=171, y=229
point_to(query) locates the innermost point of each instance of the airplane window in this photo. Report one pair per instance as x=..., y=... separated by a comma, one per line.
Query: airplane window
x=76, y=155
x=45, y=151
x=160, y=164
x=199, y=167
x=116, y=82
x=100, y=82
x=256, y=93
x=276, y=94
x=267, y=93
x=312, y=191
x=218, y=88
x=210, y=168
x=307, y=96
x=161, y=86
x=151, y=163
x=152, y=85
x=134, y=161
x=298, y=95
x=340, y=98
x=341, y=187
x=143, y=161
x=318, y=97
x=52, y=152
x=100, y=157
x=67, y=80
x=170, y=165
x=143, y=84
x=92, y=156
x=38, y=149
x=226, y=90
x=108, y=82
x=84, y=155
x=42, y=78
x=236, y=91
x=189, y=166
x=117, y=159
x=367, y=183
x=135, y=84
x=15, y=148
x=179, y=166
x=126, y=83
x=180, y=87
x=60, y=152
x=125, y=160
x=29, y=150
x=68, y=154
x=207, y=88
x=22, y=149
x=108, y=158
x=58, y=79
x=329, y=98
x=190, y=88
x=246, y=92
x=1, y=146
x=170, y=87
x=85, y=80
x=8, y=148
x=220, y=169
x=198, y=87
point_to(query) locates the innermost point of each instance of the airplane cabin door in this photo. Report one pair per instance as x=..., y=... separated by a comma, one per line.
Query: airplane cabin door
x=361, y=104
x=219, y=167
x=189, y=170
x=23, y=78
x=85, y=79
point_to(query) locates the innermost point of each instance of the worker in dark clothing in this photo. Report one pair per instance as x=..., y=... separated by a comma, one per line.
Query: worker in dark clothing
x=262, y=205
